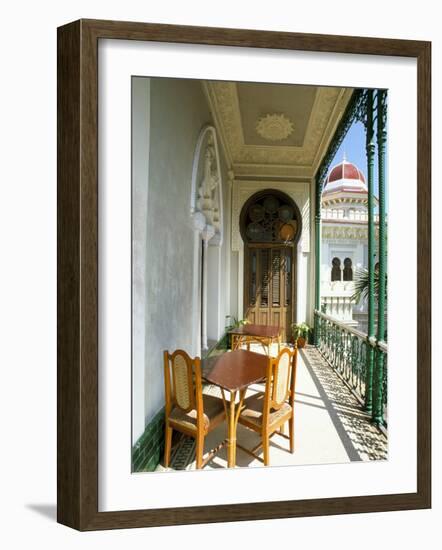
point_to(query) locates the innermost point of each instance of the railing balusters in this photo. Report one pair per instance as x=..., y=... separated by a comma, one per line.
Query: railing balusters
x=345, y=349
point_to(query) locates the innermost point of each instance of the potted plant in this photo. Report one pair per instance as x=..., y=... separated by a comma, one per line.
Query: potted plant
x=300, y=333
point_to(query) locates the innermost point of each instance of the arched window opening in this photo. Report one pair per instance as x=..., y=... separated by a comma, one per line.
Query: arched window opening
x=336, y=273
x=348, y=270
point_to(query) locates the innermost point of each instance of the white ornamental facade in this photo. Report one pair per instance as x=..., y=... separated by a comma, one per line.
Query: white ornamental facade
x=344, y=241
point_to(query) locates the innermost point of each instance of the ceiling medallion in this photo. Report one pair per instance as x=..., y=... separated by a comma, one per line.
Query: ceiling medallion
x=274, y=127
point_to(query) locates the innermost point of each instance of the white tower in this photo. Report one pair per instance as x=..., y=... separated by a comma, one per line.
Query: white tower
x=344, y=239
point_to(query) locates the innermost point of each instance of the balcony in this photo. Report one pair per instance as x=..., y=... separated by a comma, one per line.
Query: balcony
x=331, y=425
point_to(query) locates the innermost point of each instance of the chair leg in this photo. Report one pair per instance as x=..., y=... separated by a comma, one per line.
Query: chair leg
x=266, y=448
x=167, y=445
x=292, y=433
x=199, y=451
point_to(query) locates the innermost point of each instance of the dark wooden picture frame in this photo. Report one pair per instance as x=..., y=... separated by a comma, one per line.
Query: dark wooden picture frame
x=77, y=226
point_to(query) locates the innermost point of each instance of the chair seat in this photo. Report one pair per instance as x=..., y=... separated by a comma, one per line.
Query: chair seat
x=252, y=412
x=213, y=412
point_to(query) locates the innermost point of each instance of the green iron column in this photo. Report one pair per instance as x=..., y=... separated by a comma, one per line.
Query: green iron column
x=379, y=369
x=317, y=258
x=370, y=148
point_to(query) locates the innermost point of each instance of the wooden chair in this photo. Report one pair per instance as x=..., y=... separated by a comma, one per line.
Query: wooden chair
x=266, y=412
x=188, y=410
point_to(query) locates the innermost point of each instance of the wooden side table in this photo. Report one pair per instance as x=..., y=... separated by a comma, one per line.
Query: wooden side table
x=263, y=334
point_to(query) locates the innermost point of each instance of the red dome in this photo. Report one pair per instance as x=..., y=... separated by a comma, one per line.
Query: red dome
x=345, y=170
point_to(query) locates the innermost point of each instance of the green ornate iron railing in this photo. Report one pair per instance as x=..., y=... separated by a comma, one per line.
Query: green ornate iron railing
x=345, y=349
x=355, y=110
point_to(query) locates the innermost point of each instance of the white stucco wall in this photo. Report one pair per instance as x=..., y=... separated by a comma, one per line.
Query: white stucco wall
x=168, y=116
x=140, y=171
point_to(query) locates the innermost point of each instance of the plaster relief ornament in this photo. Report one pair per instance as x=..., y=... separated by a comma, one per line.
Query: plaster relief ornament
x=207, y=201
x=274, y=127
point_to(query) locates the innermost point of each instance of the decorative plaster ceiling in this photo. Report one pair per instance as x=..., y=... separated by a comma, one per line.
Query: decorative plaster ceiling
x=294, y=103
x=314, y=113
x=274, y=127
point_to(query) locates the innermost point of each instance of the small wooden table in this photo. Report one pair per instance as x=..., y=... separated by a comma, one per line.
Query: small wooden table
x=263, y=334
x=234, y=371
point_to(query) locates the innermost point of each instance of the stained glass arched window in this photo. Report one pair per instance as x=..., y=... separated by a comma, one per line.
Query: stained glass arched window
x=270, y=217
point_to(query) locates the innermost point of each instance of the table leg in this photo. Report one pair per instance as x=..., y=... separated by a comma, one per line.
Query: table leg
x=236, y=342
x=231, y=435
x=234, y=410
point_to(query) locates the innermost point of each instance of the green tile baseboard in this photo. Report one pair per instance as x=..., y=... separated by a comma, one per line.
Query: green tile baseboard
x=148, y=451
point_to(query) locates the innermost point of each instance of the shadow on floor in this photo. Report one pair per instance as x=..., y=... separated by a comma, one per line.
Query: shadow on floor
x=360, y=438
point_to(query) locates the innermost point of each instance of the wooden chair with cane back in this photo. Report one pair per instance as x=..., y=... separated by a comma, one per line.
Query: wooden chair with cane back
x=266, y=412
x=188, y=410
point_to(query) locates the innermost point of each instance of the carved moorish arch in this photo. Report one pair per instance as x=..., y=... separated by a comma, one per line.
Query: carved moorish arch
x=270, y=227
x=206, y=210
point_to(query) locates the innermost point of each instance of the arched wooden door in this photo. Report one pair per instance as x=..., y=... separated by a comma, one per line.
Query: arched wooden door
x=270, y=227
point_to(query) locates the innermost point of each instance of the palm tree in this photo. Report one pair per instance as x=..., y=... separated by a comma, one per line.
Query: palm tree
x=361, y=280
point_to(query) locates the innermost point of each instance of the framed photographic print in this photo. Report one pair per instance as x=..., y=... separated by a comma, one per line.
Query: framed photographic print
x=243, y=275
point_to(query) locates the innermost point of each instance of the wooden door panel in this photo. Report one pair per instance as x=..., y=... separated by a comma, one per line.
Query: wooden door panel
x=276, y=319
x=263, y=317
x=268, y=286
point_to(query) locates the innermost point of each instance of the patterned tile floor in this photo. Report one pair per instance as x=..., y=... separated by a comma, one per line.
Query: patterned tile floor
x=330, y=426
